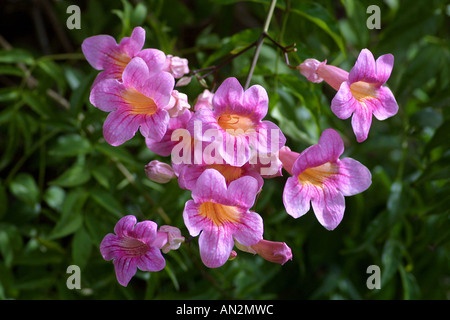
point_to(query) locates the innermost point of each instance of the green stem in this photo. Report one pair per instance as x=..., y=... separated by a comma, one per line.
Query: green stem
x=260, y=42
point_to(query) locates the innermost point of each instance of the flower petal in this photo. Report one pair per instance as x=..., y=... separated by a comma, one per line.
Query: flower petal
x=120, y=126
x=329, y=206
x=211, y=185
x=384, y=65
x=364, y=68
x=155, y=126
x=343, y=103
x=125, y=225
x=109, y=246
x=154, y=59
x=215, y=246
x=331, y=143
x=296, y=197
x=135, y=73
x=106, y=94
x=353, y=177
x=228, y=96
x=385, y=106
x=256, y=103
x=153, y=260
x=243, y=191
x=125, y=269
x=98, y=48
x=250, y=229
x=133, y=44
x=361, y=121
x=145, y=231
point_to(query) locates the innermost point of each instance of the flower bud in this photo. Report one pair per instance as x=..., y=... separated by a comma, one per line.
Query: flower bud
x=159, y=171
x=174, y=238
x=177, y=66
x=178, y=103
x=277, y=252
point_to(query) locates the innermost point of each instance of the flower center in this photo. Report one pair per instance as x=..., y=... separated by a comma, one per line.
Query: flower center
x=235, y=124
x=317, y=175
x=363, y=90
x=139, y=103
x=229, y=172
x=219, y=213
x=120, y=60
x=133, y=247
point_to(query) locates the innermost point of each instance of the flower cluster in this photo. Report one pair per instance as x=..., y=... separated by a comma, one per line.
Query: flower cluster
x=222, y=149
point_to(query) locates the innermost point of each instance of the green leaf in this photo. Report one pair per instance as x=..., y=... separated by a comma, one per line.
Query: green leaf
x=70, y=145
x=54, y=197
x=391, y=259
x=16, y=56
x=71, y=215
x=107, y=201
x=81, y=248
x=76, y=175
x=24, y=187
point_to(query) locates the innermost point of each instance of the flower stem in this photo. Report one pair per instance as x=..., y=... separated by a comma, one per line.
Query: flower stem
x=260, y=42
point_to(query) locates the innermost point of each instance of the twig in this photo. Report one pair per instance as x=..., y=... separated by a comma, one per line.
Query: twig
x=260, y=42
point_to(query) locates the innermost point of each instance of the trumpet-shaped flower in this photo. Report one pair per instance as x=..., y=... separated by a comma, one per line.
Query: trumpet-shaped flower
x=221, y=214
x=103, y=53
x=138, y=102
x=361, y=92
x=134, y=245
x=319, y=177
x=235, y=123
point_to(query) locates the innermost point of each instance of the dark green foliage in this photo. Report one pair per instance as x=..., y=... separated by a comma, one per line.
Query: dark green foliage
x=63, y=188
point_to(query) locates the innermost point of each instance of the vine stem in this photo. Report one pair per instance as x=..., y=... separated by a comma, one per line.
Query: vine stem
x=260, y=42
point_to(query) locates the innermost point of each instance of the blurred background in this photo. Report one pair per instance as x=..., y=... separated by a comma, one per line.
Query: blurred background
x=63, y=188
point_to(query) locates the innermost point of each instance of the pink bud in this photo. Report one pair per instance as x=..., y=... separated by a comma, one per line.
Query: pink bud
x=277, y=252
x=316, y=71
x=177, y=66
x=174, y=238
x=178, y=103
x=287, y=158
x=204, y=100
x=159, y=171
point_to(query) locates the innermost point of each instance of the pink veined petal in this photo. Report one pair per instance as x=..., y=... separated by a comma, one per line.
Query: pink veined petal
x=125, y=225
x=353, y=177
x=153, y=260
x=331, y=143
x=384, y=66
x=154, y=126
x=133, y=44
x=243, y=191
x=269, y=138
x=193, y=221
x=159, y=87
x=215, y=246
x=250, y=229
x=98, y=48
x=364, y=68
x=145, y=231
x=297, y=197
x=106, y=95
x=120, y=126
x=328, y=206
x=109, y=246
x=154, y=59
x=235, y=150
x=385, y=105
x=343, y=104
x=361, y=122
x=211, y=185
x=125, y=269
x=255, y=104
x=228, y=96
x=135, y=73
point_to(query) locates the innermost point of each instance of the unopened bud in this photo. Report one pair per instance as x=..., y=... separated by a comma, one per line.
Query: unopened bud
x=159, y=171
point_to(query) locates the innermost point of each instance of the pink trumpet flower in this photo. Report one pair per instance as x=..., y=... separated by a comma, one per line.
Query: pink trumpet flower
x=360, y=93
x=319, y=177
x=103, y=53
x=138, y=102
x=221, y=214
x=134, y=245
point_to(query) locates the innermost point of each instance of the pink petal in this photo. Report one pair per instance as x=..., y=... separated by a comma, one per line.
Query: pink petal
x=215, y=246
x=106, y=95
x=343, y=103
x=109, y=246
x=331, y=143
x=270, y=138
x=98, y=48
x=159, y=87
x=385, y=105
x=353, y=177
x=297, y=197
x=243, y=191
x=153, y=260
x=361, y=122
x=125, y=269
x=132, y=45
x=256, y=103
x=120, y=126
x=193, y=221
x=364, y=68
x=329, y=206
x=384, y=65
x=125, y=225
x=154, y=59
x=135, y=73
x=144, y=231
x=250, y=229
x=154, y=126
x=228, y=96
x=211, y=185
